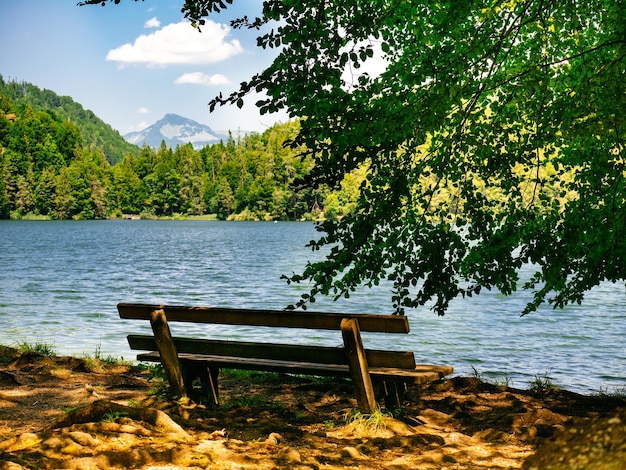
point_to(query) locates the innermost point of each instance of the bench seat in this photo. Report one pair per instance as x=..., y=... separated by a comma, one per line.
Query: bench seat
x=422, y=373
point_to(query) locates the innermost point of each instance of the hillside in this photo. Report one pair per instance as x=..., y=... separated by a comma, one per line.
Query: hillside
x=94, y=132
x=59, y=161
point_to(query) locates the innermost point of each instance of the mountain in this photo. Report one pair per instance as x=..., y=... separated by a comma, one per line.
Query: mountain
x=175, y=130
x=94, y=131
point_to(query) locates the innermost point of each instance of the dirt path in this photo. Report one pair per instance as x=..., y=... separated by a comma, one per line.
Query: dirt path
x=74, y=413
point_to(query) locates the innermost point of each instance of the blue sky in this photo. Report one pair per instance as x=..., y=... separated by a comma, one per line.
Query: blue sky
x=134, y=62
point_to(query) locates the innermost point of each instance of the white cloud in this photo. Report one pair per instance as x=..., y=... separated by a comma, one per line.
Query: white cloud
x=199, y=78
x=152, y=23
x=143, y=110
x=179, y=43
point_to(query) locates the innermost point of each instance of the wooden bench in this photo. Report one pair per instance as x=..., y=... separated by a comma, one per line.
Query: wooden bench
x=188, y=359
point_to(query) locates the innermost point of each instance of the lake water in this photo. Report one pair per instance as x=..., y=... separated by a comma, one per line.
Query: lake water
x=60, y=282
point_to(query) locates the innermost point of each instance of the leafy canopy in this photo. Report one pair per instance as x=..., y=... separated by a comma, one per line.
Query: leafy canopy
x=493, y=138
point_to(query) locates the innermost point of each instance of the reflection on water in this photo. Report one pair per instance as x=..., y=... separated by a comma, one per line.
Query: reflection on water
x=60, y=282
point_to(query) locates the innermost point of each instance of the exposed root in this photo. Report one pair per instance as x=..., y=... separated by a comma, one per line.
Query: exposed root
x=100, y=409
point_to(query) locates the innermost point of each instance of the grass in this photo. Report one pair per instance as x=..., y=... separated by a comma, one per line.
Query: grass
x=44, y=349
x=617, y=393
x=265, y=377
x=367, y=423
x=499, y=380
x=329, y=424
x=252, y=376
x=98, y=359
x=541, y=384
x=254, y=401
x=156, y=377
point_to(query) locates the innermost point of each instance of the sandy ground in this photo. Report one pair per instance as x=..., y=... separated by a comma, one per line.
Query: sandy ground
x=64, y=412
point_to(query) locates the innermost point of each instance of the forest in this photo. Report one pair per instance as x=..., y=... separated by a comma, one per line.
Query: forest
x=51, y=167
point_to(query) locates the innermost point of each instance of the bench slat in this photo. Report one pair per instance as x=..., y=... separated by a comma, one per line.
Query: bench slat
x=272, y=318
x=424, y=373
x=285, y=352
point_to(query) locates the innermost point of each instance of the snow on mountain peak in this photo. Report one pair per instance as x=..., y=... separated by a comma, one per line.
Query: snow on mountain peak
x=175, y=130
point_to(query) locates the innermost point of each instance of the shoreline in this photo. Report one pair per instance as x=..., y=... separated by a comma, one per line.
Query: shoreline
x=539, y=381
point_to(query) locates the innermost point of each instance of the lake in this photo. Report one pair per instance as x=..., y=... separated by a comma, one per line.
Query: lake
x=60, y=282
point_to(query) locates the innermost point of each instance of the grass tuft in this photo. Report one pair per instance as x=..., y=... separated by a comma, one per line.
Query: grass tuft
x=541, y=384
x=367, y=423
x=39, y=348
x=619, y=392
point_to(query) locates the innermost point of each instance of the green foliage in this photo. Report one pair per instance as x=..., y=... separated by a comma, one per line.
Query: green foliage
x=76, y=126
x=45, y=171
x=493, y=135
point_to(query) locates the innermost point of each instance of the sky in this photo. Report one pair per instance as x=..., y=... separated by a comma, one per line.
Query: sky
x=134, y=62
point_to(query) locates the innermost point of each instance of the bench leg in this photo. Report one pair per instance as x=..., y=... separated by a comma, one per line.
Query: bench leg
x=391, y=393
x=394, y=391
x=357, y=362
x=191, y=372
x=212, y=376
x=167, y=351
x=208, y=379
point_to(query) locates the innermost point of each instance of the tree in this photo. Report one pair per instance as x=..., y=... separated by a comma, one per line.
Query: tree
x=493, y=134
x=5, y=204
x=191, y=168
x=81, y=187
x=126, y=185
x=25, y=196
x=226, y=199
x=45, y=192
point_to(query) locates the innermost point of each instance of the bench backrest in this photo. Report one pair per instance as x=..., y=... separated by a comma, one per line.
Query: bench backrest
x=271, y=318
x=281, y=352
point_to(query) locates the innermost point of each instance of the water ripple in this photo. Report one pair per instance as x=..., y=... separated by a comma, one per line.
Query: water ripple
x=62, y=280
